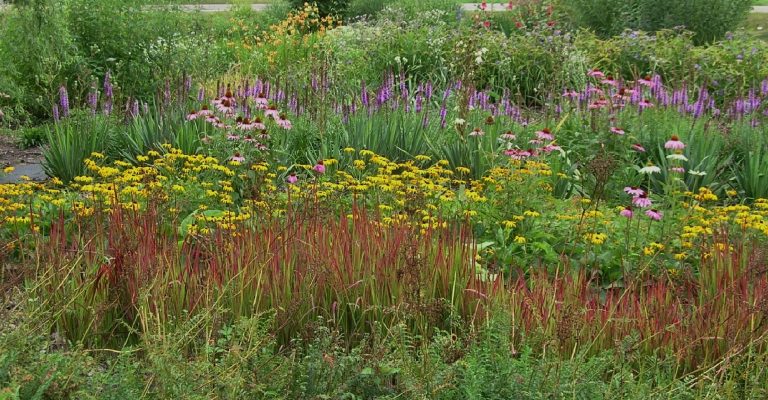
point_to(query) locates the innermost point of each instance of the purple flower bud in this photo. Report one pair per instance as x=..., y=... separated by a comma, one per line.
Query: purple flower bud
x=201, y=94
x=108, y=85
x=56, y=112
x=64, y=101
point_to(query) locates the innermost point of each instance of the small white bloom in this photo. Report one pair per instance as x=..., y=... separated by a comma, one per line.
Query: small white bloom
x=459, y=122
x=650, y=169
x=697, y=173
x=478, y=60
x=677, y=157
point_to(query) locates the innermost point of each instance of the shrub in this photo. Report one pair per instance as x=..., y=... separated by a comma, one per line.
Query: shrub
x=708, y=19
x=326, y=7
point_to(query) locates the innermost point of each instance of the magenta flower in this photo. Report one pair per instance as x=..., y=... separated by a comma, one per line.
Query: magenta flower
x=634, y=191
x=609, y=81
x=642, y=201
x=654, y=215
x=545, y=134
x=192, y=115
x=319, y=167
x=674, y=143
x=292, y=178
x=204, y=111
x=550, y=148
x=237, y=158
x=647, y=81
x=284, y=123
x=272, y=112
x=645, y=103
x=508, y=136
x=617, y=131
x=638, y=148
x=596, y=73
x=627, y=212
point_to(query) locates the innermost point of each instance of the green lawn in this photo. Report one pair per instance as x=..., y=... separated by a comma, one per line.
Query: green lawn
x=760, y=2
x=757, y=24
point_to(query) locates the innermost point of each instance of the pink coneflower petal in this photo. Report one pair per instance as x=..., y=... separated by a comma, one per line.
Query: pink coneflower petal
x=654, y=215
x=617, y=131
x=674, y=143
x=634, y=191
x=642, y=201
x=292, y=178
x=627, y=212
x=638, y=148
x=319, y=167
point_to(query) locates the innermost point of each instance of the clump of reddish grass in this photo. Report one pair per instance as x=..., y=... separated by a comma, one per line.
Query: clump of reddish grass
x=130, y=274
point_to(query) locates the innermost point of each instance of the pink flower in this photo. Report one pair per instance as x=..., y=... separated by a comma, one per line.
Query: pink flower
x=483, y=5
x=292, y=178
x=508, y=136
x=192, y=115
x=638, y=148
x=232, y=136
x=477, y=132
x=595, y=73
x=550, y=148
x=645, y=103
x=641, y=201
x=272, y=112
x=678, y=170
x=545, y=134
x=617, y=131
x=634, y=191
x=204, y=111
x=645, y=81
x=249, y=139
x=654, y=215
x=261, y=101
x=258, y=124
x=674, y=143
x=237, y=158
x=609, y=81
x=284, y=123
x=319, y=167
x=627, y=212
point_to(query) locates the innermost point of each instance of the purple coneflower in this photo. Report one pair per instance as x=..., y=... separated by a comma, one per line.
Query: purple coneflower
x=545, y=134
x=634, y=191
x=319, y=167
x=192, y=115
x=283, y=122
x=654, y=214
x=674, y=143
x=596, y=73
x=678, y=170
x=232, y=136
x=617, y=130
x=508, y=135
x=627, y=212
x=271, y=111
x=638, y=148
x=292, y=178
x=642, y=201
x=237, y=158
x=476, y=132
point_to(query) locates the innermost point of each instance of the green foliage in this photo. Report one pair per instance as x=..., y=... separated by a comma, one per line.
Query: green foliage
x=708, y=19
x=325, y=7
x=73, y=140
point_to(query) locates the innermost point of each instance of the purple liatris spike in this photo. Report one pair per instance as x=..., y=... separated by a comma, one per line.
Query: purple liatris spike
x=64, y=101
x=201, y=94
x=108, y=85
x=93, y=99
x=187, y=84
x=443, y=114
x=56, y=112
x=107, y=107
x=135, y=109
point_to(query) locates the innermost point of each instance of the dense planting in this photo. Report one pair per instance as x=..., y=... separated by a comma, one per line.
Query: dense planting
x=458, y=206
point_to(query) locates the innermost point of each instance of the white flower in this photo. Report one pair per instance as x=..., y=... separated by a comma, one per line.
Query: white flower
x=677, y=157
x=697, y=173
x=650, y=169
x=459, y=122
x=478, y=60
